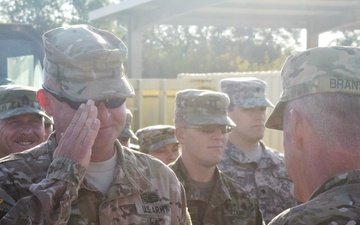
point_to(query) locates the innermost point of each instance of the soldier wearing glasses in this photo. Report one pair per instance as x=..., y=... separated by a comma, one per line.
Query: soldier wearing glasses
x=202, y=128
x=82, y=174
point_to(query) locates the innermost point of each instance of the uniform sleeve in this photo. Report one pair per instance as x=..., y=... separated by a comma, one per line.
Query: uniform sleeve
x=51, y=198
x=186, y=215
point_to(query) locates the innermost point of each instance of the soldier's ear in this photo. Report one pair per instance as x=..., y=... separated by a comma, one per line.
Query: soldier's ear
x=45, y=100
x=298, y=125
x=179, y=134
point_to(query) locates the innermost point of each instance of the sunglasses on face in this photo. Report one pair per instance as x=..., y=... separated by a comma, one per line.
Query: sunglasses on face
x=111, y=103
x=208, y=129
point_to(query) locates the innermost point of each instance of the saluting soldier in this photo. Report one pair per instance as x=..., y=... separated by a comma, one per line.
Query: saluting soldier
x=82, y=174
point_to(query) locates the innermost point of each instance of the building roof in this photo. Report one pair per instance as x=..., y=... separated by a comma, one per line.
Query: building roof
x=316, y=16
x=319, y=15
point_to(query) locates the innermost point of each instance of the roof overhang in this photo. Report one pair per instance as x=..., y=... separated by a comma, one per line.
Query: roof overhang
x=318, y=15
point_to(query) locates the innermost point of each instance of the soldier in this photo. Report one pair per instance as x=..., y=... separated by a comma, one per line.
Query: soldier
x=318, y=112
x=82, y=174
x=127, y=134
x=256, y=167
x=21, y=119
x=202, y=128
x=160, y=142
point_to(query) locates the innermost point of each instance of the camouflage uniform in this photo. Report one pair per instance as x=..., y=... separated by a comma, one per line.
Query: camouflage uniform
x=267, y=181
x=322, y=70
x=127, y=131
x=143, y=191
x=154, y=137
x=335, y=202
x=87, y=63
x=18, y=100
x=222, y=201
x=229, y=204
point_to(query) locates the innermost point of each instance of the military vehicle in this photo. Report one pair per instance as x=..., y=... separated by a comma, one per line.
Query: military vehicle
x=21, y=55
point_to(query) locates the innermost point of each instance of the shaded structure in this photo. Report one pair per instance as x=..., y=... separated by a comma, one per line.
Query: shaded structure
x=316, y=16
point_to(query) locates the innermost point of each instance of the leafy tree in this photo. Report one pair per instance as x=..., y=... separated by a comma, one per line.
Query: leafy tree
x=347, y=38
x=47, y=14
x=170, y=50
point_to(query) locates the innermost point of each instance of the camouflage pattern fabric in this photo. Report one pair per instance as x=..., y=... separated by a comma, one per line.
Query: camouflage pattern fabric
x=202, y=107
x=229, y=203
x=127, y=132
x=152, y=138
x=336, y=201
x=17, y=100
x=246, y=92
x=86, y=62
x=47, y=191
x=317, y=70
x=266, y=181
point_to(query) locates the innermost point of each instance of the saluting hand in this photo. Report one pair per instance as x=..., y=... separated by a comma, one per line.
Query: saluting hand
x=77, y=140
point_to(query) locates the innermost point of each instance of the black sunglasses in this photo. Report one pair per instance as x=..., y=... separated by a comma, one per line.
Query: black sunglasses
x=208, y=129
x=111, y=103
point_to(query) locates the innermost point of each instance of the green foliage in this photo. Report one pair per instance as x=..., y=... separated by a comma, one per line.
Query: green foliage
x=170, y=50
x=347, y=38
x=47, y=14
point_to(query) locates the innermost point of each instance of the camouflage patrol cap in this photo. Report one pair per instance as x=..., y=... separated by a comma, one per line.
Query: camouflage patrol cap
x=154, y=137
x=201, y=107
x=317, y=70
x=86, y=62
x=48, y=120
x=127, y=132
x=18, y=100
x=245, y=92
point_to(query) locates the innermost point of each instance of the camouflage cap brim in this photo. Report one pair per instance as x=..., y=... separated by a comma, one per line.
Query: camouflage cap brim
x=17, y=100
x=246, y=92
x=253, y=102
x=21, y=111
x=275, y=120
x=317, y=70
x=95, y=90
x=196, y=119
x=86, y=62
x=162, y=143
x=48, y=120
x=127, y=133
x=202, y=107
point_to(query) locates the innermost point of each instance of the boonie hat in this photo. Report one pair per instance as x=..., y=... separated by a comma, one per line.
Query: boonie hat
x=202, y=107
x=17, y=100
x=154, y=137
x=317, y=70
x=86, y=62
x=127, y=132
x=246, y=92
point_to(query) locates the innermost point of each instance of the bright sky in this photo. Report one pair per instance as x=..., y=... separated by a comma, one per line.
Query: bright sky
x=324, y=38
x=327, y=37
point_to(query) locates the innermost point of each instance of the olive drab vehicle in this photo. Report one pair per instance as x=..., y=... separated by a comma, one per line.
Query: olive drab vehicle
x=21, y=55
